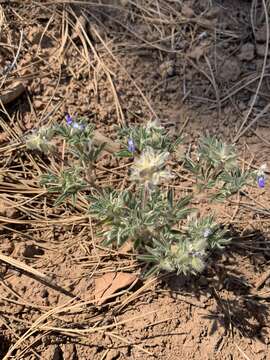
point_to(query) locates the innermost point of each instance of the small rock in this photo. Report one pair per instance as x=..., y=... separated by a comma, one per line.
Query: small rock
x=38, y=104
x=113, y=354
x=230, y=70
x=6, y=247
x=247, y=52
x=18, y=309
x=242, y=106
x=31, y=251
x=187, y=11
x=7, y=208
x=213, y=13
x=43, y=40
x=44, y=293
x=52, y=353
x=69, y=352
x=167, y=68
x=251, y=66
x=260, y=34
x=3, y=136
x=259, y=347
x=260, y=49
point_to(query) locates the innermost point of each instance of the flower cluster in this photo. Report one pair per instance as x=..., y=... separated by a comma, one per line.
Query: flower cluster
x=41, y=140
x=148, y=168
x=261, y=176
x=74, y=124
x=131, y=146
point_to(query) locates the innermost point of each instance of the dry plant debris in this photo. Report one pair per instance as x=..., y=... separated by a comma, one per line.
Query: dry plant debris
x=108, y=284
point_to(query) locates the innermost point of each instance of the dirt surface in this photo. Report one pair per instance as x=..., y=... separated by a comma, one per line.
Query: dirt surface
x=198, y=66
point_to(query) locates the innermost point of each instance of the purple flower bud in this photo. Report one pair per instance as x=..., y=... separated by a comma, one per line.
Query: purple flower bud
x=131, y=146
x=207, y=233
x=78, y=126
x=68, y=120
x=261, y=182
x=196, y=253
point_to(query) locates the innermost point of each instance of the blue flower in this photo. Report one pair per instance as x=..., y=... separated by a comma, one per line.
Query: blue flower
x=131, y=146
x=68, y=120
x=261, y=181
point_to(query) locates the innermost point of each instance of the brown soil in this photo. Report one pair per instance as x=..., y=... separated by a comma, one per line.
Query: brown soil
x=197, y=67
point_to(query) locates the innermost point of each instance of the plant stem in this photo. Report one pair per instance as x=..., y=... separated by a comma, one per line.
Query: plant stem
x=145, y=196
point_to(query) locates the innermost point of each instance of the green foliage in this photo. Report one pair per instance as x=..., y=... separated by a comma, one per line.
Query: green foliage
x=214, y=166
x=78, y=137
x=206, y=228
x=216, y=154
x=68, y=183
x=232, y=181
x=79, y=140
x=151, y=135
x=158, y=225
x=129, y=219
x=108, y=205
x=185, y=251
x=163, y=230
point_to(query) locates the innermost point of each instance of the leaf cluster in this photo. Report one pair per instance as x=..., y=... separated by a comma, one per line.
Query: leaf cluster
x=67, y=184
x=150, y=136
x=215, y=166
x=129, y=219
x=185, y=251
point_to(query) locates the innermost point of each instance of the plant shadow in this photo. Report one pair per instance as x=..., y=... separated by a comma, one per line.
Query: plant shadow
x=230, y=280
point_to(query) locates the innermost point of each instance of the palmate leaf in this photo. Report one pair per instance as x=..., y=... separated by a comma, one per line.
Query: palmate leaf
x=63, y=197
x=75, y=136
x=183, y=202
x=219, y=239
x=68, y=183
x=148, y=258
x=232, y=182
x=108, y=204
x=216, y=153
x=94, y=153
x=175, y=255
x=164, y=211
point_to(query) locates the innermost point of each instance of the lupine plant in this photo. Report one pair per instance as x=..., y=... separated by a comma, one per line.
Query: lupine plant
x=81, y=156
x=160, y=227
x=164, y=229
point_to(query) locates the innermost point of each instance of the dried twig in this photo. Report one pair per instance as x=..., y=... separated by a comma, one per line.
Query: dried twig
x=241, y=131
x=262, y=280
